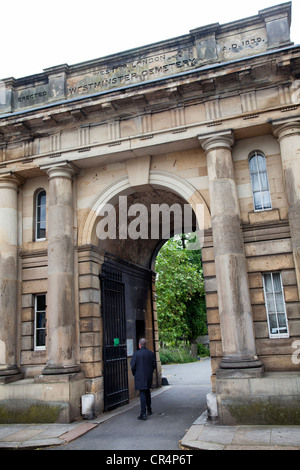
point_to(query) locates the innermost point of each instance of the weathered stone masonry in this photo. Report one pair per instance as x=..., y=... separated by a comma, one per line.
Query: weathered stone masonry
x=172, y=122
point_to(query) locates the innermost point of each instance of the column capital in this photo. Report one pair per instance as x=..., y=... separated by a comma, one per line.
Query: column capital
x=282, y=129
x=12, y=178
x=64, y=169
x=214, y=140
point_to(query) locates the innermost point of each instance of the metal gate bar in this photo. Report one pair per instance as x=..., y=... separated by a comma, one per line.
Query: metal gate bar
x=114, y=340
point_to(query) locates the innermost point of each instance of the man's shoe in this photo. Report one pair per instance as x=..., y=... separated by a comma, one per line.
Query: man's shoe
x=142, y=417
x=150, y=412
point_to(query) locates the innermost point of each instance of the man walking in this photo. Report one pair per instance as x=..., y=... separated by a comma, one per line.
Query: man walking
x=142, y=366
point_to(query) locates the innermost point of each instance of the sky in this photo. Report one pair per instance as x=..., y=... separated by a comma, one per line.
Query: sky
x=37, y=34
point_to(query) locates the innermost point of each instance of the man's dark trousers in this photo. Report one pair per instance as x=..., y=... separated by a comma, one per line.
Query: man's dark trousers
x=145, y=399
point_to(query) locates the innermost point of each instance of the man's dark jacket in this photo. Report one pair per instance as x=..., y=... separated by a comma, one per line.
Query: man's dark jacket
x=142, y=366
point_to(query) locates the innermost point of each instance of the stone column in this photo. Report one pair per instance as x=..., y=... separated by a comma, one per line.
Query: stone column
x=288, y=135
x=239, y=353
x=61, y=321
x=8, y=275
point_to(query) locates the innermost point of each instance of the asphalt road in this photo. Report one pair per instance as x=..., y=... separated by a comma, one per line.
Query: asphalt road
x=174, y=411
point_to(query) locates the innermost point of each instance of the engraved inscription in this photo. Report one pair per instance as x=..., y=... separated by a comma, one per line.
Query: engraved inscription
x=242, y=44
x=141, y=70
x=32, y=96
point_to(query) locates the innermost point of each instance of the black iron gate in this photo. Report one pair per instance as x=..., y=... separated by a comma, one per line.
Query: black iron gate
x=114, y=338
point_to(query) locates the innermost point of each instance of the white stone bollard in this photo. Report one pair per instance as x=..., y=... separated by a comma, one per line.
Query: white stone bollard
x=88, y=405
x=212, y=408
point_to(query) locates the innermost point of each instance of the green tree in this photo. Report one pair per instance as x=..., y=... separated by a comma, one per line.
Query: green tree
x=181, y=308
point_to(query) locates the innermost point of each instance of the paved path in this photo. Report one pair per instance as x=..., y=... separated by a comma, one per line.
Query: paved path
x=175, y=408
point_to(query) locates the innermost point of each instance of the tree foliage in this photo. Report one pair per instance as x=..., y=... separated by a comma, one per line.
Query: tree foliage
x=181, y=307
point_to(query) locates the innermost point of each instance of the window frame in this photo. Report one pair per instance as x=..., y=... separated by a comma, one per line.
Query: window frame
x=36, y=328
x=252, y=155
x=275, y=335
x=37, y=215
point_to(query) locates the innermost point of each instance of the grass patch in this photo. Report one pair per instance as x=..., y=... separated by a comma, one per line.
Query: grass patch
x=176, y=356
x=181, y=355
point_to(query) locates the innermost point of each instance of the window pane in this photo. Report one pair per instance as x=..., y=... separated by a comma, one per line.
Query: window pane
x=42, y=225
x=255, y=182
x=40, y=302
x=282, y=323
x=41, y=198
x=42, y=214
x=268, y=282
x=264, y=186
x=277, y=282
x=266, y=200
x=41, y=233
x=273, y=324
x=257, y=201
x=271, y=303
x=253, y=165
x=40, y=338
x=279, y=302
x=41, y=320
x=261, y=163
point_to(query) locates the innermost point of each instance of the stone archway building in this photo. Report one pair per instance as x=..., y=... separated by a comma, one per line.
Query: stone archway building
x=209, y=119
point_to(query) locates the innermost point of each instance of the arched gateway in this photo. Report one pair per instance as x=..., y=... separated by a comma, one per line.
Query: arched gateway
x=102, y=160
x=154, y=201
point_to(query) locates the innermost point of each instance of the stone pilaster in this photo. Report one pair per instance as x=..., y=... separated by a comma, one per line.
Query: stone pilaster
x=239, y=354
x=8, y=275
x=288, y=134
x=61, y=318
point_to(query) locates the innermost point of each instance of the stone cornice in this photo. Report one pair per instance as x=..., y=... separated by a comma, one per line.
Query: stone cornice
x=196, y=88
x=135, y=146
x=60, y=110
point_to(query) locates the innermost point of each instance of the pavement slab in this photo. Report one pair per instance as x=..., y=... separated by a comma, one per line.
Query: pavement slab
x=211, y=436
x=78, y=431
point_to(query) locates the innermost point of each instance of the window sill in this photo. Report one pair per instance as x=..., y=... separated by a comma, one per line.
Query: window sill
x=270, y=215
x=283, y=336
x=33, y=247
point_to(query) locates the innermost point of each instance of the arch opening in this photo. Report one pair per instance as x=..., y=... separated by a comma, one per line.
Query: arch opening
x=180, y=301
x=154, y=213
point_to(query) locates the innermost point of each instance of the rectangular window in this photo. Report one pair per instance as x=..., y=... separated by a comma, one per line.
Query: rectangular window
x=40, y=322
x=275, y=305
